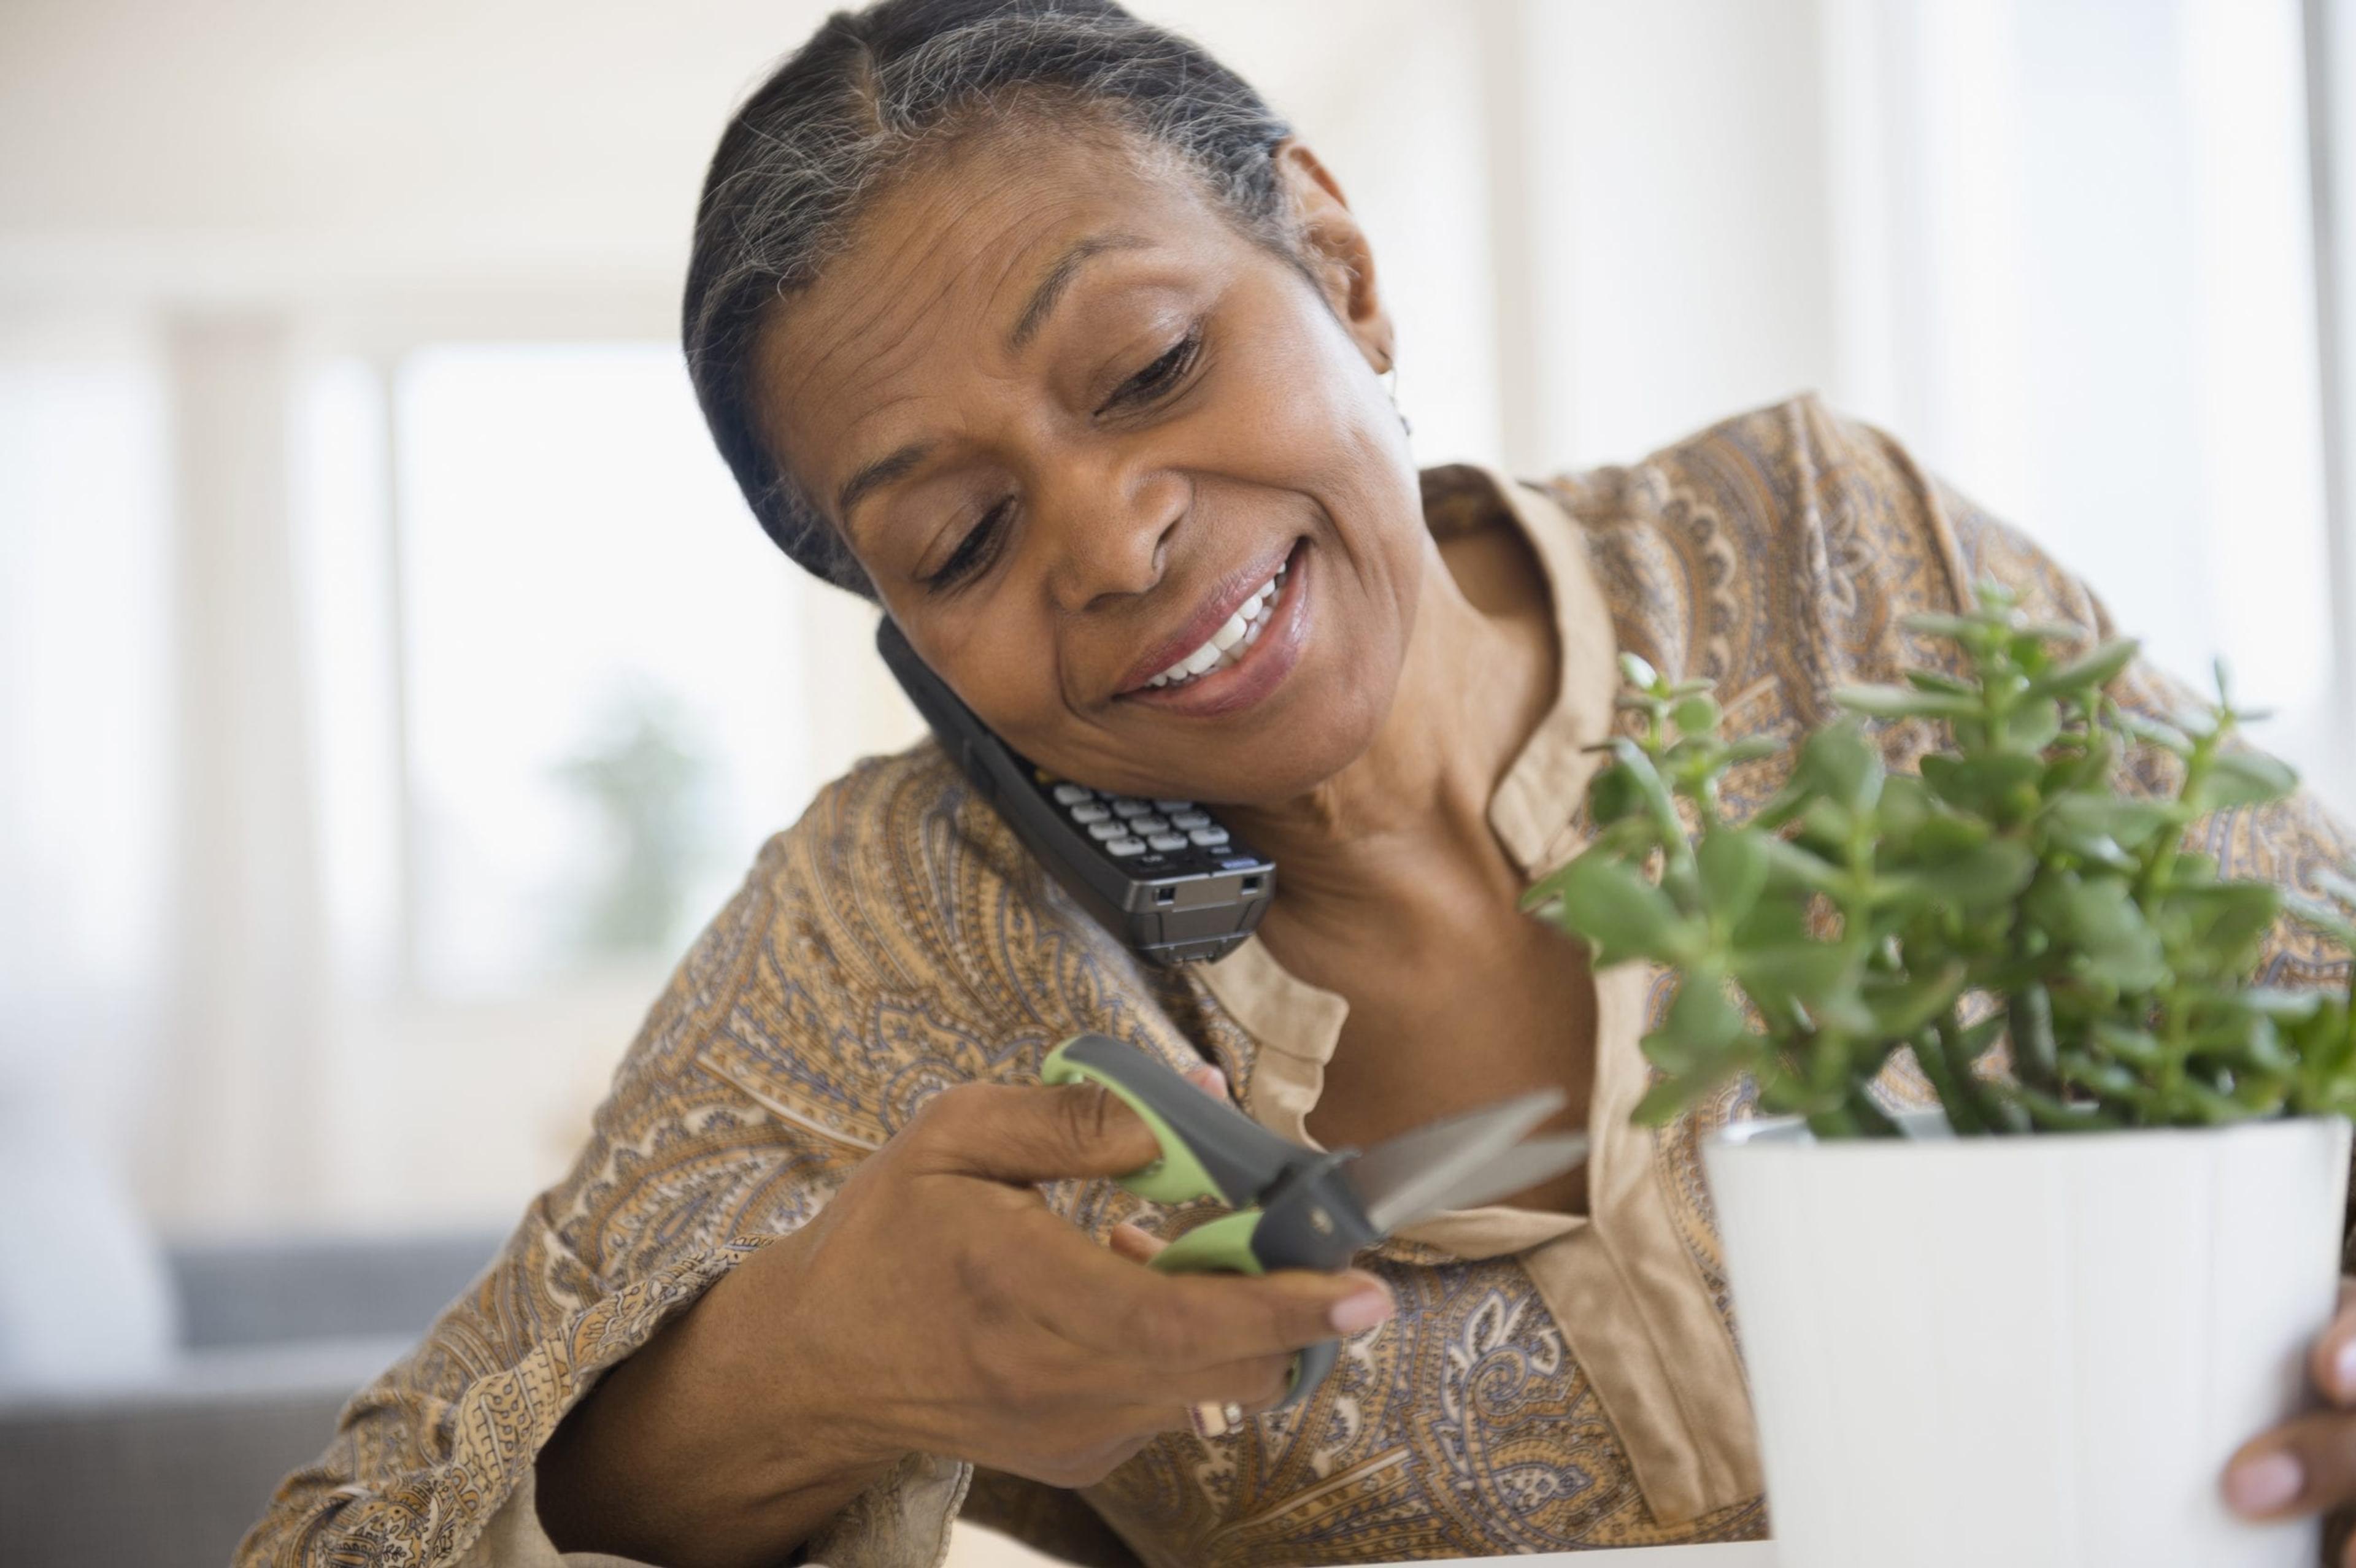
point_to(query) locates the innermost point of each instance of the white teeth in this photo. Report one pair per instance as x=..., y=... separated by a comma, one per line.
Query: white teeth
x=1225, y=645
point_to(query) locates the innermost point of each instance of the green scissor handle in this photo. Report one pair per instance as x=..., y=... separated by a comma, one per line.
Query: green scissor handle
x=1178, y=1176
x=1208, y=1150
x=1222, y=1245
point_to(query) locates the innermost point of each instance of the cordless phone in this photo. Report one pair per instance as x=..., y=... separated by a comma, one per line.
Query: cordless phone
x=1165, y=876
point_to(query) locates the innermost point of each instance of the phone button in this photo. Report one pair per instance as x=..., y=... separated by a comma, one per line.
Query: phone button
x=1168, y=841
x=1085, y=815
x=1122, y=806
x=1209, y=837
x=1147, y=825
x=1106, y=830
x=1124, y=848
x=1174, y=805
x=1189, y=820
x=1072, y=794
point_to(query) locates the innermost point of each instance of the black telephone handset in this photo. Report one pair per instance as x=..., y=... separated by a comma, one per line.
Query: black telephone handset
x=1165, y=876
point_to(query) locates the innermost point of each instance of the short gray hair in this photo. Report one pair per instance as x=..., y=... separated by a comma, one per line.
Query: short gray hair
x=855, y=105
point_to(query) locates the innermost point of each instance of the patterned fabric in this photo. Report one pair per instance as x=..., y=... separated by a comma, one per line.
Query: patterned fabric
x=1549, y=1382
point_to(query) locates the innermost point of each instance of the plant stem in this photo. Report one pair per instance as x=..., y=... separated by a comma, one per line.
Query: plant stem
x=1870, y=1119
x=2029, y=1019
x=1953, y=1098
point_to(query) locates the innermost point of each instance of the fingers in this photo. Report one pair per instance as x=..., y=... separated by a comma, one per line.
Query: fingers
x=1016, y=1133
x=1178, y=1323
x=2332, y=1362
x=1025, y=1134
x=2302, y=1466
x=1138, y=1247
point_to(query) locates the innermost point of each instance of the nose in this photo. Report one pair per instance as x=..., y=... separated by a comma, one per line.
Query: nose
x=1111, y=532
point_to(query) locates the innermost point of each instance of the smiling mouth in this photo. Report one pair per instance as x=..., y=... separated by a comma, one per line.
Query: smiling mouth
x=1226, y=646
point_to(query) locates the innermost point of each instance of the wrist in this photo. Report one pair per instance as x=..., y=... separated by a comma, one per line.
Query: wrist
x=783, y=1361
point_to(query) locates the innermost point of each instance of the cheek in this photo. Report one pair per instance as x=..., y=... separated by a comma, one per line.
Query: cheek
x=1002, y=665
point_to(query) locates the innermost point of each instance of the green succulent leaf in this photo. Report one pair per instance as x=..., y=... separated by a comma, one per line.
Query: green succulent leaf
x=2096, y=668
x=1696, y=716
x=2024, y=881
x=2245, y=778
x=1733, y=865
x=1892, y=702
x=1613, y=906
x=2001, y=785
x=1842, y=763
x=1981, y=875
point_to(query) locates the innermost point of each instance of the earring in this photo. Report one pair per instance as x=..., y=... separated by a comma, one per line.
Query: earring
x=1388, y=377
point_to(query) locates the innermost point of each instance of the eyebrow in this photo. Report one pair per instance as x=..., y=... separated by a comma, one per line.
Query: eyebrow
x=1059, y=278
x=882, y=472
x=900, y=461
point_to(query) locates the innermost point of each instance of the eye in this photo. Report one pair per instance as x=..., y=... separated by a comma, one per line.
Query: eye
x=973, y=552
x=1161, y=375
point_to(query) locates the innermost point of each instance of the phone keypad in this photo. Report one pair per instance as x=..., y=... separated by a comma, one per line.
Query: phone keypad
x=1126, y=828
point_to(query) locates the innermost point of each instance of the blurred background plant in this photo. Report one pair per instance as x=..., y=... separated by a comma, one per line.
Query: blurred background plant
x=642, y=775
x=2020, y=891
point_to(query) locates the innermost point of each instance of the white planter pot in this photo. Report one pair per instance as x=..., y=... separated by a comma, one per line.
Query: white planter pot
x=2036, y=1352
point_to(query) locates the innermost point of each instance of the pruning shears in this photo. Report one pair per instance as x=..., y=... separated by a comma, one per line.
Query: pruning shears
x=1300, y=1208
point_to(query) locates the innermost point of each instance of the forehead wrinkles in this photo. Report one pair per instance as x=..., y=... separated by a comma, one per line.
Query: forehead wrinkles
x=942, y=264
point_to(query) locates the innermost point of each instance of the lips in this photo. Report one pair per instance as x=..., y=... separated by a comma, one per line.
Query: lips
x=1248, y=674
x=1225, y=601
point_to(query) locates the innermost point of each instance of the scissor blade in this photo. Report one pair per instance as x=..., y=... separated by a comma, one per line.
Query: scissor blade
x=1523, y=1164
x=1405, y=1178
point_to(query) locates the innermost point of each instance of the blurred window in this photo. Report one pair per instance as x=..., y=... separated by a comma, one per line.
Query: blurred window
x=561, y=705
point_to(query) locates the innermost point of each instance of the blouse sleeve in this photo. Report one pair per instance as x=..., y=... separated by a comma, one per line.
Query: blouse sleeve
x=685, y=1174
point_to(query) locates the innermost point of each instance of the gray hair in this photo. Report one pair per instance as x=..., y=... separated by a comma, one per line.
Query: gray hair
x=855, y=105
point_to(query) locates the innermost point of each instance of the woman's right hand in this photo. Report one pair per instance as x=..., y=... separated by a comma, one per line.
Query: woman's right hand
x=937, y=1306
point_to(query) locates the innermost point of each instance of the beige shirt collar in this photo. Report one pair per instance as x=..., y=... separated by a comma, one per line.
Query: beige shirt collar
x=1297, y=1024
x=1618, y=1281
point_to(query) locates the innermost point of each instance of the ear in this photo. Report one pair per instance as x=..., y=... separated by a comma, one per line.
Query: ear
x=1336, y=251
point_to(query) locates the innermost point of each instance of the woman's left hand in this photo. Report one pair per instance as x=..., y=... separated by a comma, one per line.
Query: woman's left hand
x=2307, y=1466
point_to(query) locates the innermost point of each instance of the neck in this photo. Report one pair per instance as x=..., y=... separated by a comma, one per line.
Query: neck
x=1410, y=814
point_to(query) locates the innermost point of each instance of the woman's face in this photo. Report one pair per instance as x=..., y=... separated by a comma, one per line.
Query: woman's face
x=1073, y=425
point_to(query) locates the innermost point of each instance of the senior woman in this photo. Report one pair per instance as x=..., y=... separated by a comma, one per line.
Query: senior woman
x=1035, y=324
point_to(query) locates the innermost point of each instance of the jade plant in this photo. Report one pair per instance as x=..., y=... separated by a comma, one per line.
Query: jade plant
x=2016, y=892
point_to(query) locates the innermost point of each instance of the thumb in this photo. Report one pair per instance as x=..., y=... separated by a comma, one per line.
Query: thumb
x=1024, y=1134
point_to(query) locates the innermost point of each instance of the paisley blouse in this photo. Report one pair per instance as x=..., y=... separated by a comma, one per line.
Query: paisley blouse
x=1549, y=1382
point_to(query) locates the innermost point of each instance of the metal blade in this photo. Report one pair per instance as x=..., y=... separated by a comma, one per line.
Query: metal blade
x=1523, y=1164
x=1398, y=1180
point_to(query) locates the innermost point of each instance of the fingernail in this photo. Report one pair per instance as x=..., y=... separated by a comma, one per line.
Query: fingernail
x=2343, y=1370
x=2264, y=1484
x=1356, y=1314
